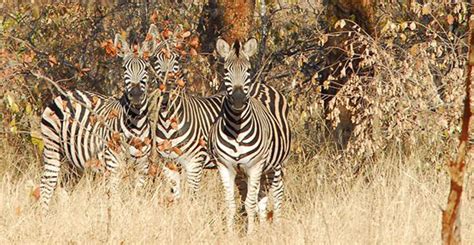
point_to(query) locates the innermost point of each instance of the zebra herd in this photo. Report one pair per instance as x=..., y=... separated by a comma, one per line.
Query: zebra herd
x=243, y=131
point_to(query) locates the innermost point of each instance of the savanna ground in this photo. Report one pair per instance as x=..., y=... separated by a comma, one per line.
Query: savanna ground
x=387, y=184
x=401, y=204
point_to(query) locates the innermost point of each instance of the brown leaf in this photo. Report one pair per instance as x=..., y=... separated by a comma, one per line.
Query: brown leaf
x=36, y=193
x=193, y=52
x=135, y=49
x=113, y=114
x=162, y=87
x=137, y=143
x=114, y=142
x=181, y=83
x=148, y=37
x=52, y=60
x=179, y=46
x=165, y=145
x=166, y=33
x=109, y=47
x=28, y=57
x=166, y=52
x=450, y=19
x=64, y=104
x=153, y=170
x=202, y=142
x=147, y=141
x=95, y=99
x=93, y=163
x=194, y=42
x=177, y=151
x=154, y=17
x=18, y=211
x=146, y=55
x=185, y=34
x=92, y=119
x=426, y=9
x=171, y=166
x=174, y=125
x=270, y=216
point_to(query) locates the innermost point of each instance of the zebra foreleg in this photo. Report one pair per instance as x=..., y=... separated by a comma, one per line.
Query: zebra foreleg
x=112, y=165
x=241, y=183
x=253, y=188
x=228, y=178
x=142, y=166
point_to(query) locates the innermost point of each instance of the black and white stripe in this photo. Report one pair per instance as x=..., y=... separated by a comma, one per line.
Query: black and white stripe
x=251, y=139
x=81, y=126
x=184, y=120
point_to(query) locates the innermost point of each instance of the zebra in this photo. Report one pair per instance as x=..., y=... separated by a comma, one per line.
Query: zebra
x=250, y=140
x=183, y=121
x=86, y=128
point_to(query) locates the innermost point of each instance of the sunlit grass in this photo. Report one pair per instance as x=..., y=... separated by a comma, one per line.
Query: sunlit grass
x=392, y=203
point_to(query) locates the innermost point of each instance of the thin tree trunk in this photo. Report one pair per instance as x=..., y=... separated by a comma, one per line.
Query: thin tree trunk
x=451, y=221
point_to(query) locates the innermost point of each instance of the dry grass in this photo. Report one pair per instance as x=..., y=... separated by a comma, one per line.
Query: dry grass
x=399, y=204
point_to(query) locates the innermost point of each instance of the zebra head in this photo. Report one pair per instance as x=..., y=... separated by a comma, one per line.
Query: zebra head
x=164, y=58
x=237, y=67
x=135, y=71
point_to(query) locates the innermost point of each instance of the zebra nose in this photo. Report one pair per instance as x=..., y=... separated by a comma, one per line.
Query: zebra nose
x=136, y=94
x=238, y=97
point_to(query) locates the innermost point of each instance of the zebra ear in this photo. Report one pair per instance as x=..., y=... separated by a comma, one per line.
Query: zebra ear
x=122, y=46
x=222, y=48
x=250, y=47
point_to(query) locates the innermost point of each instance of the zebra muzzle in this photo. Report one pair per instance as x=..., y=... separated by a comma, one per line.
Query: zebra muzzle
x=136, y=95
x=238, y=98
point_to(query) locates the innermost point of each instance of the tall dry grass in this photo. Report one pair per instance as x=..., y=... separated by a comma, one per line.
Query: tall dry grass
x=394, y=202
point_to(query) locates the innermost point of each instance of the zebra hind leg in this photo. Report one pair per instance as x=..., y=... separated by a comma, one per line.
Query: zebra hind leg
x=277, y=191
x=194, y=175
x=173, y=176
x=262, y=204
x=241, y=183
x=142, y=169
x=49, y=179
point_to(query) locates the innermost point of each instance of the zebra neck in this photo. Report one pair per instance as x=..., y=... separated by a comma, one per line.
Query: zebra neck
x=238, y=120
x=133, y=116
x=170, y=105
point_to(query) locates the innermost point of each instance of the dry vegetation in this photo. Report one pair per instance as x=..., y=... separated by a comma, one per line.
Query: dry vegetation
x=396, y=202
x=387, y=185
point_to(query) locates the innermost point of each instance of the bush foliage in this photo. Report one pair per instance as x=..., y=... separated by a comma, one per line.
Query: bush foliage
x=409, y=96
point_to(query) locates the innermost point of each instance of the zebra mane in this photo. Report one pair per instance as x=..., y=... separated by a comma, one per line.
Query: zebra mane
x=237, y=47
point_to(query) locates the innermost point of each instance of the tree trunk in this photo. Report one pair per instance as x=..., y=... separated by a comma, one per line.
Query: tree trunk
x=231, y=20
x=451, y=220
x=338, y=56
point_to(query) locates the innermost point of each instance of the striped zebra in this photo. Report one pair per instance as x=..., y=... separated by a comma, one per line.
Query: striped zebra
x=183, y=121
x=86, y=128
x=251, y=139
